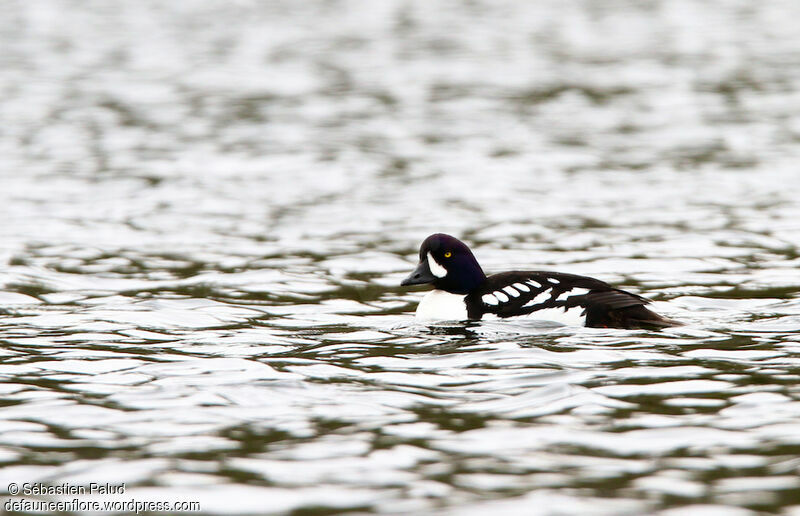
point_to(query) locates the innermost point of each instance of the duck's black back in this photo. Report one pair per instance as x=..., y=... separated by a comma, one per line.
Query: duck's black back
x=518, y=293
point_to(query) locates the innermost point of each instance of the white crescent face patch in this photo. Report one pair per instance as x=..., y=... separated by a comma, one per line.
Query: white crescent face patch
x=436, y=269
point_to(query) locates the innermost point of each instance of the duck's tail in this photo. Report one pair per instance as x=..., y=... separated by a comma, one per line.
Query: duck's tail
x=629, y=317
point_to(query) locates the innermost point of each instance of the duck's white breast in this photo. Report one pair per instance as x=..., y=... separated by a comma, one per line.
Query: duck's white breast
x=439, y=305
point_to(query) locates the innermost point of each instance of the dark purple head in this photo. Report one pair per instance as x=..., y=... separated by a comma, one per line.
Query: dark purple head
x=448, y=264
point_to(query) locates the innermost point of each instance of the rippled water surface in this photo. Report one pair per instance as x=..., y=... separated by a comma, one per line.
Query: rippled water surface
x=208, y=208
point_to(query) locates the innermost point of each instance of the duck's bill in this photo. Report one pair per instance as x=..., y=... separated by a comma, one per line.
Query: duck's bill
x=421, y=275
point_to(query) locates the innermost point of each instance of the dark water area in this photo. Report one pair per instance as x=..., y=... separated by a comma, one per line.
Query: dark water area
x=209, y=206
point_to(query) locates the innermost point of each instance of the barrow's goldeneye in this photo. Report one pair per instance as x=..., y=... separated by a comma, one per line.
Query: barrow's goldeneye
x=463, y=291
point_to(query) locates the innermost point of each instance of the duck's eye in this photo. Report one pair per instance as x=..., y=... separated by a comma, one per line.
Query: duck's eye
x=448, y=254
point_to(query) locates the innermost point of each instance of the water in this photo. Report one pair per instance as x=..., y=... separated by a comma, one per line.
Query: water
x=208, y=208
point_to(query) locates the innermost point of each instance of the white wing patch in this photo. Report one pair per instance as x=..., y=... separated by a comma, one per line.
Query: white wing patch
x=537, y=293
x=573, y=292
x=490, y=299
x=541, y=297
x=498, y=297
x=436, y=269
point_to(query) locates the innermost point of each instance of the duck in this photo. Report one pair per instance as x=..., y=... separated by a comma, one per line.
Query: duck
x=463, y=292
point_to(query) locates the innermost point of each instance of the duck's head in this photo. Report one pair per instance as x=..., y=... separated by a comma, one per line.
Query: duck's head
x=448, y=264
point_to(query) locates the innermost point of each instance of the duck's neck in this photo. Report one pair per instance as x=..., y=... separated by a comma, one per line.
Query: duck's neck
x=462, y=279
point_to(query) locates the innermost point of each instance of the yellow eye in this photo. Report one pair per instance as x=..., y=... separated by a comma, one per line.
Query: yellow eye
x=448, y=254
